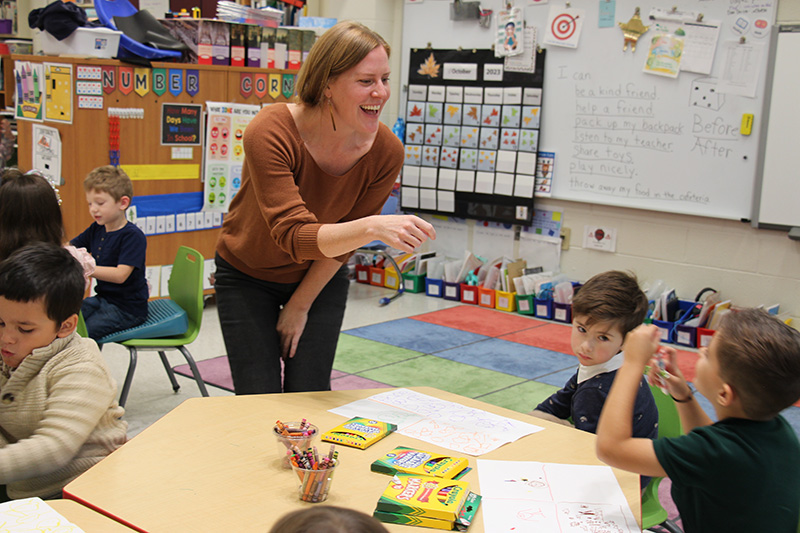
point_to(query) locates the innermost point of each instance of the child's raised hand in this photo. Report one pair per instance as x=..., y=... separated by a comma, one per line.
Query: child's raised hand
x=665, y=374
x=640, y=344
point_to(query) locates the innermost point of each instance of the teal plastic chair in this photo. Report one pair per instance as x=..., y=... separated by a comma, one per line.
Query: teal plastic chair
x=185, y=290
x=654, y=516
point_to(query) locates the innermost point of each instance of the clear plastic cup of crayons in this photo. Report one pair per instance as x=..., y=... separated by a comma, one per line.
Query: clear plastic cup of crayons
x=293, y=435
x=315, y=477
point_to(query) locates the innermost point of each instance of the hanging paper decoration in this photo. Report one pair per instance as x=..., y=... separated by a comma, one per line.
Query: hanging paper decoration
x=192, y=82
x=175, y=81
x=125, y=80
x=159, y=81
x=245, y=84
x=632, y=30
x=141, y=81
x=109, y=79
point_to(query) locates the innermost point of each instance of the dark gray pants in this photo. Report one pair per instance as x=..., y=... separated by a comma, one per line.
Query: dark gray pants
x=248, y=314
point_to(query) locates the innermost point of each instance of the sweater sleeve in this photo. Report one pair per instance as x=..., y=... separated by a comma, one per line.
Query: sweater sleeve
x=78, y=395
x=559, y=404
x=272, y=160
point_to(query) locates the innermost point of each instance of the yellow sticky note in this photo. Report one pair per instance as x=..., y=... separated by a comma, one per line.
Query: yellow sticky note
x=162, y=172
x=747, y=124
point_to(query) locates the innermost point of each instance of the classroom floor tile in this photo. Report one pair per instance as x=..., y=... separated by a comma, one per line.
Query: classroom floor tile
x=560, y=378
x=433, y=371
x=350, y=381
x=523, y=397
x=510, y=358
x=355, y=354
x=416, y=335
x=550, y=336
x=479, y=320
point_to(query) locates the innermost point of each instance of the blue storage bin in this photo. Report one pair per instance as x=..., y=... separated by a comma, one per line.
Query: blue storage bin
x=451, y=291
x=562, y=312
x=543, y=308
x=668, y=328
x=434, y=287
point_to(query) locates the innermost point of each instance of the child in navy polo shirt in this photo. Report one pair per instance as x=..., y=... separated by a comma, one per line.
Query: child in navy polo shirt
x=119, y=249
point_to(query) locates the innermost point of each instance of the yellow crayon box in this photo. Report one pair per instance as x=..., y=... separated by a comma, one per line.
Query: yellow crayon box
x=413, y=461
x=358, y=432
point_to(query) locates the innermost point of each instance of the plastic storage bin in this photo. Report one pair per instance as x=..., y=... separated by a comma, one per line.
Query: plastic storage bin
x=562, y=312
x=390, y=278
x=525, y=304
x=486, y=297
x=376, y=276
x=469, y=294
x=362, y=274
x=668, y=328
x=84, y=42
x=412, y=283
x=433, y=287
x=505, y=301
x=543, y=308
x=451, y=291
x=704, y=337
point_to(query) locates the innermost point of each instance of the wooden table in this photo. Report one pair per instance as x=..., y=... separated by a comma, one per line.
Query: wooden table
x=88, y=520
x=212, y=464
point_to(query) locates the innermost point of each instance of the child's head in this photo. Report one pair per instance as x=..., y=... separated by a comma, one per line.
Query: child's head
x=327, y=519
x=29, y=211
x=41, y=290
x=108, y=192
x=757, y=356
x=604, y=310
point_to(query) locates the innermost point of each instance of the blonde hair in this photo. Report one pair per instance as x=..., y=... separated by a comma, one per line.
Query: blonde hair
x=109, y=179
x=339, y=49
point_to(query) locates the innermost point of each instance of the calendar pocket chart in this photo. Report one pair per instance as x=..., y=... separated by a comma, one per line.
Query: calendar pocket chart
x=472, y=135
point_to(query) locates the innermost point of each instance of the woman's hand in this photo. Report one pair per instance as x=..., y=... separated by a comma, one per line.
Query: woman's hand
x=404, y=232
x=291, y=324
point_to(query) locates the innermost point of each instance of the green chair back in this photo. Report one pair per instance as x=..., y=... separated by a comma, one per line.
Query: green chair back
x=81, y=328
x=669, y=425
x=186, y=288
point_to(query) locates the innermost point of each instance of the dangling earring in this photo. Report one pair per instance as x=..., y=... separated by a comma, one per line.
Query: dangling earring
x=330, y=109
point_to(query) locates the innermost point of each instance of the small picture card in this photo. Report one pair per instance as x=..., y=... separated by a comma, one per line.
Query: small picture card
x=487, y=160
x=418, y=93
x=489, y=138
x=452, y=113
x=415, y=112
x=506, y=161
x=473, y=95
x=433, y=112
x=447, y=179
x=509, y=139
x=452, y=136
x=427, y=177
x=436, y=93
x=415, y=133
x=504, y=183
x=468, y=159
x=526, y=163
x=448, y=157
x=413, y=154
x=469, y=137
x=410, y=175
x=512, y=95
x=523, y=186
x=465, y=181
x=430, y=156
x=564, y=26
x=528, y=140
x=454, y=94
x=531, y=96
x=493, y=95
x=446, y=201
x=427, y=199
x=409, y=197
x=471, y=115
x=433, y=134
x=530, y=116
x=510, y=116
x=484, y=182
x=490, y=115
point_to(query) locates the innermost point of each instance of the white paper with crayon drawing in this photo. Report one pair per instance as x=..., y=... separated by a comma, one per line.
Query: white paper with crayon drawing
x=548, y=497
x=446, y=424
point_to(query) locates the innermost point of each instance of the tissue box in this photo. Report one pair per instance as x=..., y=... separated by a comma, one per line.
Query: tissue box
x=84, y=42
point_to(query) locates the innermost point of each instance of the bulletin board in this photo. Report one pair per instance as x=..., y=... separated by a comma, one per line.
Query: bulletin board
x=623, y=137
x=472, y=135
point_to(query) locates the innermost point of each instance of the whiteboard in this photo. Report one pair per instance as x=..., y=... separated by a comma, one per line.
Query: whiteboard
x=780, y=183
x=623, y=137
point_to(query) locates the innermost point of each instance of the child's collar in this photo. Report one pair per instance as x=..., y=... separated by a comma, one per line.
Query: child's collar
x=588, y=372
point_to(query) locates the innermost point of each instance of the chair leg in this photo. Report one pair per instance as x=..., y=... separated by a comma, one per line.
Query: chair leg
x=126, y=387
x=195, y=372
x=671, y=526
x=170, y=373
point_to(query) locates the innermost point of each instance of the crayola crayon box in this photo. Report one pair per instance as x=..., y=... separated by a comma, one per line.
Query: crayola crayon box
x=427, y=501
x=358, y=432
x=413, y=461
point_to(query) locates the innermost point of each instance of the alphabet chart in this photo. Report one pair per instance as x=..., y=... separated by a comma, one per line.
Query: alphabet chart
x=472, y=135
